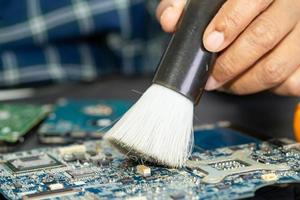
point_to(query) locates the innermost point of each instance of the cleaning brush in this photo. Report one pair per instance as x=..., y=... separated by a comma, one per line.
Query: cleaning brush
x=159, y=127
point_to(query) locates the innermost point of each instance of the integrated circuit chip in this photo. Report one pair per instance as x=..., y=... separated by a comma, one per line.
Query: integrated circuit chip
x=81, y=173
x=32, y=163
x=17, y=119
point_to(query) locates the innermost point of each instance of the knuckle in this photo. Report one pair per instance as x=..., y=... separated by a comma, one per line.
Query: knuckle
x=224, y=68
x=233, y=20
x=293, y=86
x=272, y=73
x=263, y=34
x=263, y=4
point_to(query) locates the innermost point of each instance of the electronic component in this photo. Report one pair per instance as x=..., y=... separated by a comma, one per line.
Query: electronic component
x=32, y=163
x=81, y=173
x=81, y=119
x=72, y=149
x=18, y=119
x=143, y=170
x=51, y=194
x=177, y=196
x=56, y=186
x=69, y=157
x=226, y=172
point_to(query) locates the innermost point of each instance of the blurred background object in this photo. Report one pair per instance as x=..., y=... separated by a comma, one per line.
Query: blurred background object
x=297, y=123
x=44, y=41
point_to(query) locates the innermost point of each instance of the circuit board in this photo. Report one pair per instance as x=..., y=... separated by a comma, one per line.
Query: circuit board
x=95, y=170
x=74, y=120
x=17, y=119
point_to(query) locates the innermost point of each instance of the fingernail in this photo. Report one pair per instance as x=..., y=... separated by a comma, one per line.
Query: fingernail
x=212, y=84
x=214, y=40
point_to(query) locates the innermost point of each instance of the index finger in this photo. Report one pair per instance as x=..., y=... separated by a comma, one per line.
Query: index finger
x=230, y=21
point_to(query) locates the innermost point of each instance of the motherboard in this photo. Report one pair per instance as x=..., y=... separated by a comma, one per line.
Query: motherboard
x=17, y=119
x=95, y=170
x=73, y=120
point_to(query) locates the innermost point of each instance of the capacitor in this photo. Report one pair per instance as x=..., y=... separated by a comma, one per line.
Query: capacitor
x=143, y=170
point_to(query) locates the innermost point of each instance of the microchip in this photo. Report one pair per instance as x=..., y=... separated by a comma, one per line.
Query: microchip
x=81, y=119
x=81, y=173
x=18, y=119
x=33, y=163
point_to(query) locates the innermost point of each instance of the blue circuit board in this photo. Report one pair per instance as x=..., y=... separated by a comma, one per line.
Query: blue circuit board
x=225, y=136
x=73, y=120
x=95, y=170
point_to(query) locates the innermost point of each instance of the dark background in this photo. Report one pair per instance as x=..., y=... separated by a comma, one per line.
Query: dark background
x=264, y=114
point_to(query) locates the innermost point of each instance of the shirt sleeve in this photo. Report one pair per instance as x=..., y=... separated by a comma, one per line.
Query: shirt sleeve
x=46, y=40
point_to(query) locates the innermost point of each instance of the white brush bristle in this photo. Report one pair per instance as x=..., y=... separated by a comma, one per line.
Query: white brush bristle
x=159, y=126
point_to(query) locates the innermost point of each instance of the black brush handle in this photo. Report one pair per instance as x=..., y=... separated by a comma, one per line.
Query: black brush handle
x=186, y=64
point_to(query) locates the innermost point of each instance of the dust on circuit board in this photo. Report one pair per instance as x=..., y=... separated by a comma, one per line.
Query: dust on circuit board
x=73, y=120
x=94, y=170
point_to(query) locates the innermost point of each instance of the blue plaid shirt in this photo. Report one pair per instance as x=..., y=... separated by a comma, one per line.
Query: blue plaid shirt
x=73, y=40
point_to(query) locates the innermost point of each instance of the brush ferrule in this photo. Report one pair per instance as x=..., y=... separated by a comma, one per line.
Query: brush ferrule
x=186, y=64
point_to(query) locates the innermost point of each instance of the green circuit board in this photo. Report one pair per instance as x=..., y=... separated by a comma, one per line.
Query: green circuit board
x=18, y=119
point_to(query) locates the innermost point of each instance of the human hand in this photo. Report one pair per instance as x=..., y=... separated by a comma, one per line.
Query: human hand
x=258, y=41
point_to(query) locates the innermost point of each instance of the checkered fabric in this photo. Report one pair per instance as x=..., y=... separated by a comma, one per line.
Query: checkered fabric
x=71, y=40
